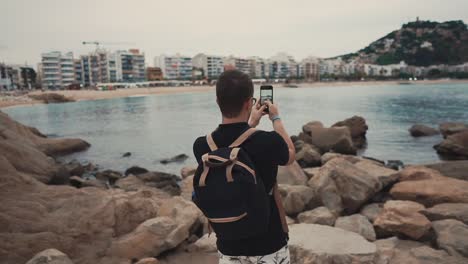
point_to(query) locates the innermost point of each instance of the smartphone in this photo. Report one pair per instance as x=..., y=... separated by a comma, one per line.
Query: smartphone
x=266, y=94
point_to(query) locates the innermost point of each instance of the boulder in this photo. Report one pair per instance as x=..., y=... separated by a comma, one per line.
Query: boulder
x=429, y=187
x=177, y=220
x=371, y=211
x=126, y=154
x=454, y=169
x=207, y=243
x=350, y=158
x=297, y=198
x=335, y=139
x=452, y=236
x=403, y=217
x=161, y=180
x=79, y=182
x=450, y=128
x=343, y=186
x=358, y=128
x=308, y=246
x=311, y=172
x=358, y=224
x=454, y=146
x=130, y=183
x=75, y=168
x=109, y=175
x=188, y=171
x=148, y=261
x=50, y=256
x=384, y=175
x=320, y=216
x=457, y=211
x=292, y=175
x=419, y=130
x=51, y=98
x=395, y=251
x=135, y=170
x=298, y=145
x=308, y=156
x=61, y=146
x=177, y=158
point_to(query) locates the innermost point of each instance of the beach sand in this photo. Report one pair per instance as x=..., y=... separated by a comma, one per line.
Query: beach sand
x=79, y=95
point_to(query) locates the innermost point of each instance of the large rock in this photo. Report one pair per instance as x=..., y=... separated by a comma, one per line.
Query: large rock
x=207, y=243
x=320, y=216
x=51, y=98
x=358, y=224
x=371, y=211
x=454, y=146
x=188, y=171
x=452, y=236
x=450, y=128
x=177, y=219
x=160, y=180
x=308, y=156
x=50, y=256
x=292, y=175
x=403, y=217
x=335, y=139
x=429, y=187
x=343, y=186
x=419, y=130
x=395, y=251
x=358, y=128
x=297, y=198
x=308, y=246
x=457, y=211
x=454, y=169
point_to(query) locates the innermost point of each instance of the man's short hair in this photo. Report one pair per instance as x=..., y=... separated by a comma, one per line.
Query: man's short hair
x=233, y=88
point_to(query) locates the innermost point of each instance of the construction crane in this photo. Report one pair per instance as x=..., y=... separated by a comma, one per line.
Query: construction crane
x=99, y=43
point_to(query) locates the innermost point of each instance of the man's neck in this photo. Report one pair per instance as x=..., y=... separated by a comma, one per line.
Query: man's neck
x=239, y=119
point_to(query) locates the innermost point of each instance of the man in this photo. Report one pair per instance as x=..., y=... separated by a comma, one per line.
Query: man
x=267, y=150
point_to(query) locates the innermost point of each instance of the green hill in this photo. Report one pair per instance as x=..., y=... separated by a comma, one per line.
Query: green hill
x=419, y=43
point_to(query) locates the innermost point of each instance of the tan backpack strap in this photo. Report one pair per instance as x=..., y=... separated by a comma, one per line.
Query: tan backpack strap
x=211, y=143
x=242, y=137
x=202, y=180
x=279, y=204
x=233, y=159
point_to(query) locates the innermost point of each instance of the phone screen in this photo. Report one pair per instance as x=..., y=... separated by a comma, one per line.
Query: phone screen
x=266, y=95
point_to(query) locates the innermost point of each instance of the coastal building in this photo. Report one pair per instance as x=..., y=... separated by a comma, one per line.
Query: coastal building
x=283, y=66
x=237, y=63
x=96, y=67
x=129, y=66
x=57, y=70
x=5, y=78
x=154, y=74
x=212, y=65
x=176, y=67
x=258, y=67
x=310, y=69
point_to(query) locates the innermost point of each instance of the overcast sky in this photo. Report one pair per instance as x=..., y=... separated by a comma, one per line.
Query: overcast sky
x=222, y=27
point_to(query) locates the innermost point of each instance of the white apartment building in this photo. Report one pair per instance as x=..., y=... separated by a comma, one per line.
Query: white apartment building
x=309, y=68
x=283, y=66
x=237, y=63
x=129, y=65
x=258, y=67
x=176, y=67
x=212, y=65
x=57, y=70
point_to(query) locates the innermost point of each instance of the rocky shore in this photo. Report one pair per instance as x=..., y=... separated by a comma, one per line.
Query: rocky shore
x=341, y=208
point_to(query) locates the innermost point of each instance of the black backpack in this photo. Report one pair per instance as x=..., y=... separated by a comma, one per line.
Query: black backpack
x=229, y=193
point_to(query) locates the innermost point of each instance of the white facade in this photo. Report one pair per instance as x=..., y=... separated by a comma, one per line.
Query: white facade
x=212, y=65
x=282, y=66
x=57, y=70
x=177, y=67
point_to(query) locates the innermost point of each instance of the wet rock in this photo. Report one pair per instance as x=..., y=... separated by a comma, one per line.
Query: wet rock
x=429, y=187
x=51, y=98
x=453, y=169
x=308, y=156
x=358, y=128
x=50, y=256
x=135, y=170
x=343, y=186
x=457, y=211
x=450, y=128
x=60, y=177
x=358, y=224
x=419, y=130
x=297, y=198
x=178, y=158
x=188, y=171
x=79, y=182
x=371, y=211
x=334, y=139
x=403, y=217
x=109, y=175
x=126, y=155
x=75, y=168
x=291, y=174
x=394, y=164
x=452, y=236
x=307, y=245
x=320, y=216
x=454, y=146
x=164, y=181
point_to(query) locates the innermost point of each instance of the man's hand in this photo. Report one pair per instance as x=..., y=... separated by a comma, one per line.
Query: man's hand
x=258, y=111
x=272, y=109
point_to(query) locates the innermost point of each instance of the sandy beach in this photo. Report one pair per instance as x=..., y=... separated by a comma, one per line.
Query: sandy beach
x=80, y=95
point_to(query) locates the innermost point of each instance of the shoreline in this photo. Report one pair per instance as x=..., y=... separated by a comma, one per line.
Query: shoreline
x=89, y=95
